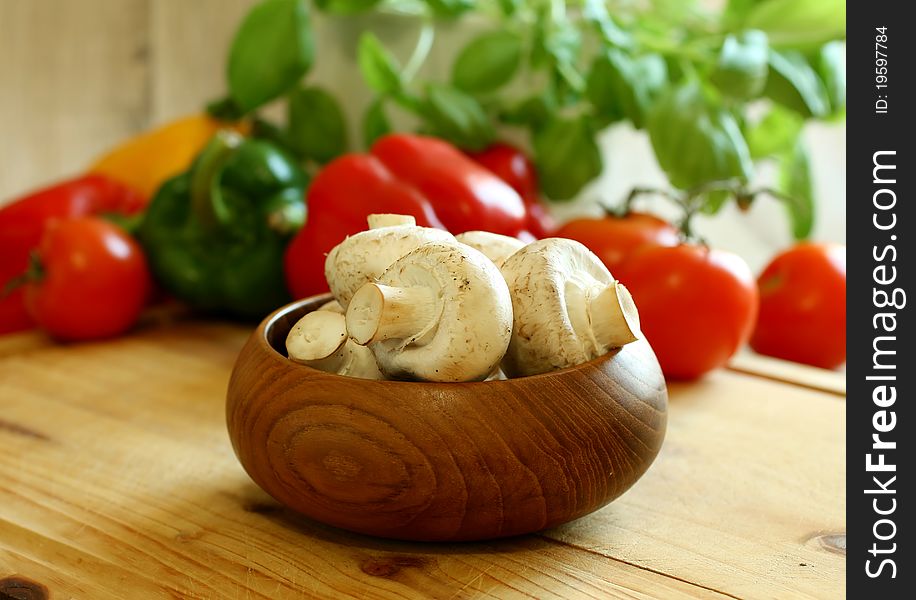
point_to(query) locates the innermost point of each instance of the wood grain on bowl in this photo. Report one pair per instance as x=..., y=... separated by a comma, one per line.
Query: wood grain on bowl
x=432, y=461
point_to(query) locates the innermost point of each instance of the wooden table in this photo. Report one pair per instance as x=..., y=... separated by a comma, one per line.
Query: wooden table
x=117, y=480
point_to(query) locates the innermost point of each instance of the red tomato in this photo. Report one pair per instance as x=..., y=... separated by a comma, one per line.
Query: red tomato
x=803, y=306
x=515, y=168
x=23, y=221
x=615, y=239
x=696, y=305
x=93, y=280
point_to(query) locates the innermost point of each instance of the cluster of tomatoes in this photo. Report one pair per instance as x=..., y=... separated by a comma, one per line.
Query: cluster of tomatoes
x=88, y=278
x=699, y=305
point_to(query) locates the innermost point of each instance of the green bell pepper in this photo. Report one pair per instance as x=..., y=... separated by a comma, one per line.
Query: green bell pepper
x=215, y=235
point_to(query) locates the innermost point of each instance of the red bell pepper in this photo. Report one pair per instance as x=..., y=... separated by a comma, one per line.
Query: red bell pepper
x=404, y=174
x=515, y=168
x=23, y=221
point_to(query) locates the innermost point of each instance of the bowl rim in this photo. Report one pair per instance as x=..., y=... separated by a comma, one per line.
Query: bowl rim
x=266, y=325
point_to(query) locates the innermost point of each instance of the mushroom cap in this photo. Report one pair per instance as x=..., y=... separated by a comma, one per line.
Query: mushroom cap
x=363, y=257
x=550, y=282
x=494, y=246
x=332, y=306
x=468, y=336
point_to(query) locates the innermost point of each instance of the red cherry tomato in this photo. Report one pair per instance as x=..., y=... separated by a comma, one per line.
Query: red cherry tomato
x=615, y=239
x=93, y=280
x=515, y=168
x=696, y=305
x=803, y=306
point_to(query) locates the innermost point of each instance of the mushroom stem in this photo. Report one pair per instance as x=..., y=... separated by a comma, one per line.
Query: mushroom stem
x=377, y=221
x=613, y=316
x=380, y=312
x=319, y=340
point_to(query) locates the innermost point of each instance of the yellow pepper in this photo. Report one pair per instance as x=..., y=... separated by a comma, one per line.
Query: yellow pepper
x=146, y=161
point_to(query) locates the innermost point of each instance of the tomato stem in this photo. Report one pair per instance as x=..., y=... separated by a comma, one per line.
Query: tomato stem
x=33, y=272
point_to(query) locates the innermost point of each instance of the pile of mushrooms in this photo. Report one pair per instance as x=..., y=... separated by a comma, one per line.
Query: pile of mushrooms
x=416, y=303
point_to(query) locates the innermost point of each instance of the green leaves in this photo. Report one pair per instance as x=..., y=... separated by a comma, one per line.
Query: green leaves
x=346, y=7
x=271, y=51
x=686, y=73
x=794, y=83
x=488, y=62
x=697, y=141
x=556, y=47
x=831, y=68
x=567, y=157
x=531, y=112
x=619, y=85
x=317, y=129
x=795, y=182
x=775, y=134
x=596, y=13
x=375, y=123
x=453, y=115
x=380, y=70
x=450, y=8
x=741, y=71
x=798, y=23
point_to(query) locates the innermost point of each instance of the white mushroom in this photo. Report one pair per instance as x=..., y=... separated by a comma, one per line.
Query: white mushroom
x=567, y=308
x=320, y=340
x=332, y=306
x=494, y=246
x=379, y=220
x=366, y=255
x=440, y=313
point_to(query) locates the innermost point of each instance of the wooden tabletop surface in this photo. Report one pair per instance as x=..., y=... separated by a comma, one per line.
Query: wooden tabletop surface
x=117, y=481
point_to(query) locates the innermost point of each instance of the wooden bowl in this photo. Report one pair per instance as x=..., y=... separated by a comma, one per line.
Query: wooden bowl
x=442, y=461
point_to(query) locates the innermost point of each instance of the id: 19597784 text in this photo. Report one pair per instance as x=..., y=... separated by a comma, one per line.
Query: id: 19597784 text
x=881, y=70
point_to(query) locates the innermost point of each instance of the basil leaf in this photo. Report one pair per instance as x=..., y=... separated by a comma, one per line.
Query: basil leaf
x=567, y=157
x=317, y=128
x=532, y=112
x=697, y=141
x=509, y=7
x=380, y=70
x=714, y=201
x=457, y=117
x=450, y=8
x=736, y=11
x=775, y=134
x=270, y=53
x=831, y=67
x=794, y=83
x=619, y=85
x=346, y=7
x=596, y=13
x=741, y=71
x=556, y=47
x=798, y=23
x=375, y=123
x=796, y=184
x=488, y=62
